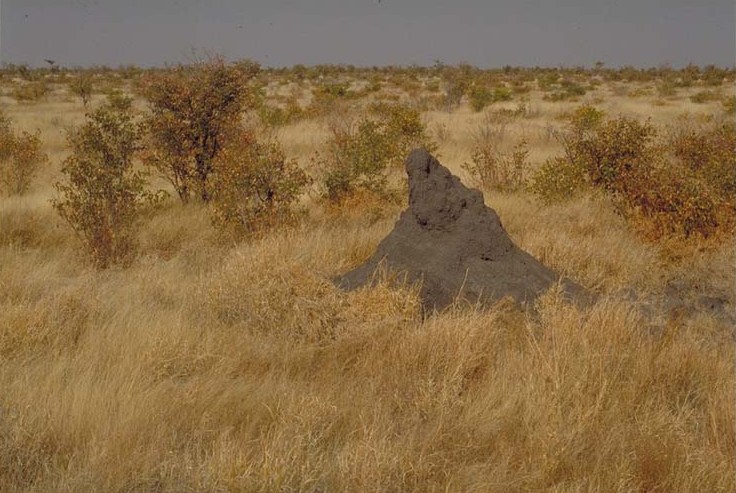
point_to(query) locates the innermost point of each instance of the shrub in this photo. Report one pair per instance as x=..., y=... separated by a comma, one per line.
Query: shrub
x=31, y=91
x=82, y=86
x=502, y=94
x=255, y=186
x=614, y=152
x=195, y=110
x=117, y=100
x=491, y=169
x=275, y=116
x=558, y=179
x=102, y=193
x=457, y=82
x=20, y=158
x=667, y=88
x=729, y=105
x=690, y=192
x=480, y=97
x=704, y=96
x=569, y=90
x=709, y=152
x=360, y=153
x=328, y=95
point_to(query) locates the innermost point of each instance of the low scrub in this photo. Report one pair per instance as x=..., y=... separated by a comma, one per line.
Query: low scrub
x=31, y=91
x=679, y=185
x=255, y=186
x=20, y=158
x=360, y=153
x=492, y=169
x=102, y=194
x=481, y=96
x=82, y=86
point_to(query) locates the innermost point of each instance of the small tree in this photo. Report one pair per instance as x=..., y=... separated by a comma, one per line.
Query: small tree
x=102, y=194
x=195, y=110
x=20, y=158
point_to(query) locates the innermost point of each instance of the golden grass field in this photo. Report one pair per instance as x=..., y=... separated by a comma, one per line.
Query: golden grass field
x=209, y=366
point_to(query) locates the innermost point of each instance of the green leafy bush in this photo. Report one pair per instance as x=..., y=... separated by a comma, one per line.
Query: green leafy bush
x=568, y=90
x=709, y=153
x=255, y=186
x=704, y=96
x=102, y=194
x=360, y=153
x=557, y=180
x=456, y=81
x=276, y=116
x=117, y=100
x=502, y=94
x=491, y=169
x=20, y=158
x=82, y=87
x=681, y=187
x=480, y=97
x=195, y=110
x=31, y=91
x=729, y=105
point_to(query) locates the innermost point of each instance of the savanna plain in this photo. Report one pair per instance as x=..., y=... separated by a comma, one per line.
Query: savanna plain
x=169, y=321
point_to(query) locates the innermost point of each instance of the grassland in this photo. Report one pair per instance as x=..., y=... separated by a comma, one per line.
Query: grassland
x=211, y=366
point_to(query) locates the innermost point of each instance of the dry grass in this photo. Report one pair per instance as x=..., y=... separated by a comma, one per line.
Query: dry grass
x=214, y=367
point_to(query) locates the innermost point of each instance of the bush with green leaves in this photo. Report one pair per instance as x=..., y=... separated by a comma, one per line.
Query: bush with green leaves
x=701, y=97
x=82, y=87
x=31, y=91
x=557, y=179
x=102, y=193
x=480, y=96
x=491, y=169
x=360, y=153
x=117, y=100
x=709, y=153
x=277, y=116
x=456, y=81
x=328, y=95
x=569, y=90
x=255, y=186
x=20, y=158
x=683, y=186
x=195, y=110
x=729, y=105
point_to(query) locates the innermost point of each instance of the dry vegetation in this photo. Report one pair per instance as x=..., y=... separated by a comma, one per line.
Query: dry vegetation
x=205, y=364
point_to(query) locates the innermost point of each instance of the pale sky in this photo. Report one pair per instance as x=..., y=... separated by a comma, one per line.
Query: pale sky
x=547, y=33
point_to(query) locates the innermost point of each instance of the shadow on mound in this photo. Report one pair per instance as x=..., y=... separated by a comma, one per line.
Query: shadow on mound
x=454, y=246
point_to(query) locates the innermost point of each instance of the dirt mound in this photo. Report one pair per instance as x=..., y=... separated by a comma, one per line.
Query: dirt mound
x=450, y=242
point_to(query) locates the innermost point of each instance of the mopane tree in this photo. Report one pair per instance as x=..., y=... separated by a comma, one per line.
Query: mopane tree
x=195, y=110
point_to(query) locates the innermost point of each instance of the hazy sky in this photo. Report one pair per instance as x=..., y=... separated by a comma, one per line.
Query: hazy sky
x=366, y=32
